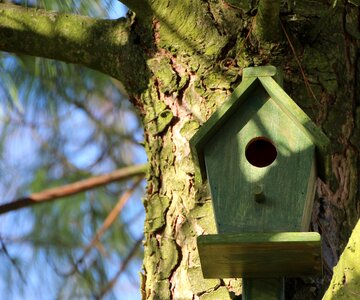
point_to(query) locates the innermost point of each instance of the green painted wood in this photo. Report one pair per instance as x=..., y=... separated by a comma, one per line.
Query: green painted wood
x=298, y=116
x=309, y=199
x=233, y=179
x=267, y=71
x=210, y=127
x=263, y=289
x=249, y=196
x=260, y=255
x=251, y=79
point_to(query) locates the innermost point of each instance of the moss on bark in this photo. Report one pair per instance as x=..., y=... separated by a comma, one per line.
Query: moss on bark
x=345, y=283
x=108, y=46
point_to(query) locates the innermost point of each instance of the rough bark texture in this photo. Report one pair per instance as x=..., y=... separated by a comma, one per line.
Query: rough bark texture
x=199, y=51
x=267, y=22
x=195, y=52
x=104, y=45
x=345, y=283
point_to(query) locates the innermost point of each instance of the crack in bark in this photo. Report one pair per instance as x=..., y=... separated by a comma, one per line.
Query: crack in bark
x=218, y=27
x=176, y=266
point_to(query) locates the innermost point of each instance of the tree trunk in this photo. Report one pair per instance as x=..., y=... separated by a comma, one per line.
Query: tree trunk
x=180, y=60
x=199, y=49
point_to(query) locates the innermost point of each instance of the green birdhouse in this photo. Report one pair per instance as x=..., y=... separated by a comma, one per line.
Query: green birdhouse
x=261, y=155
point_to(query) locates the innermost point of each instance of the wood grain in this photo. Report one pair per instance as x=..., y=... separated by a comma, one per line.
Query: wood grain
x=270, y=79
x=260, y=255
x=285, y=182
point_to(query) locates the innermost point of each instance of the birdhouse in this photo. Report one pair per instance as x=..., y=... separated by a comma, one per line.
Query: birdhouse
x=261, y=155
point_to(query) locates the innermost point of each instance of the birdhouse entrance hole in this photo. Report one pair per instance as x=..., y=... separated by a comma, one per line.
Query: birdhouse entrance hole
x=260, y=152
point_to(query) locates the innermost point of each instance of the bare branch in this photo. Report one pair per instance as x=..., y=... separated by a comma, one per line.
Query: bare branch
x=74, y=188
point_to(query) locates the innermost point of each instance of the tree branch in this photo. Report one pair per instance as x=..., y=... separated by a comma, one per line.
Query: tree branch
x=12, y=261
x=110, y=219
x=73, y=188
x=123, y=267
x=104, y=45
x=267, y=22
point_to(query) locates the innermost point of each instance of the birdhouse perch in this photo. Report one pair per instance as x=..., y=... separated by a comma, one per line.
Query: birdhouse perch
x=261, y=155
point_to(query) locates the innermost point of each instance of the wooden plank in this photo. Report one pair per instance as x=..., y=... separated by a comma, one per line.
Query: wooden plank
x=298, y=116
x=260, y=255
x=264, y=71
x=310, y=196
x=259, y=71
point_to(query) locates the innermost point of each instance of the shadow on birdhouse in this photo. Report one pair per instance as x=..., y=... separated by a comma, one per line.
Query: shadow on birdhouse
x=261, y=155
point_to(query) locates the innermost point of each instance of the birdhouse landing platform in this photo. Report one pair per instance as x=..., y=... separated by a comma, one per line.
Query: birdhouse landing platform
x=265, y=255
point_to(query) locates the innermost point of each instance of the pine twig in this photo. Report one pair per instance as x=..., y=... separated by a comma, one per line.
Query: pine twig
x=123, y=267
x=13, y=261
x=73, y=188
x=107, y=223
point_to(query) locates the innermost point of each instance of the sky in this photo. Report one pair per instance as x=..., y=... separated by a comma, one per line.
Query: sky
x=20, y=151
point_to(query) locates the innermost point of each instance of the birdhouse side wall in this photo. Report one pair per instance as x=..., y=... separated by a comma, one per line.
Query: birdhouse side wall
x=310, y=196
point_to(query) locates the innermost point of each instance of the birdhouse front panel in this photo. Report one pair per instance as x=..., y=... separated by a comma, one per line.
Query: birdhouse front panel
x=261, y=169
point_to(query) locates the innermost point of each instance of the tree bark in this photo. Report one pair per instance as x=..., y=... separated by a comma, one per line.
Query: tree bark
x=108, y=46
x=267, y=21
x=191, y=55
x=201, y=49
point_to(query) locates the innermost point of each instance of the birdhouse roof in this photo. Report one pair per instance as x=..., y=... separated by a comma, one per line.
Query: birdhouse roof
x=254, y=78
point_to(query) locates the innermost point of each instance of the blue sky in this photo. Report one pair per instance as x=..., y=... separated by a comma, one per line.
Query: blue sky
x=20, y=151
